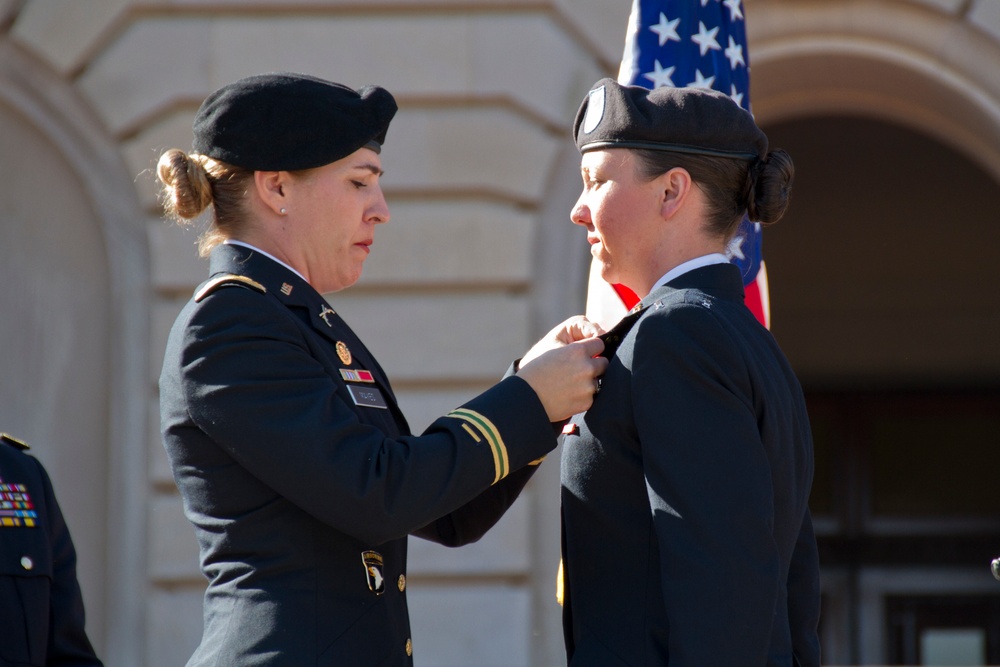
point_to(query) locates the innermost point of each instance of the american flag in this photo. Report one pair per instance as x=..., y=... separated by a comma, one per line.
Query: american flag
x=689, y=43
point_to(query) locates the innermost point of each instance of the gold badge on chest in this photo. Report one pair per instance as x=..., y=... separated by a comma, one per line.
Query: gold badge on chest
x=344, y=353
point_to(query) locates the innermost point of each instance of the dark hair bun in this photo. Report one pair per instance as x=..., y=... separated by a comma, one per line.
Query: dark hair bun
x=770, y=187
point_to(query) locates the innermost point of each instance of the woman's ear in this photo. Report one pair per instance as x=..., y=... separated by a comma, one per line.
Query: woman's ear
x=270, y=187
x=675, y=186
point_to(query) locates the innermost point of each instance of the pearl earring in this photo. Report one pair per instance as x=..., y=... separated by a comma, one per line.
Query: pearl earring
x=283, y=211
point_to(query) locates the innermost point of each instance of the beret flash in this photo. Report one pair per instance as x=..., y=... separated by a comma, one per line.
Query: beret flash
x=681, y=120
x=286, y=122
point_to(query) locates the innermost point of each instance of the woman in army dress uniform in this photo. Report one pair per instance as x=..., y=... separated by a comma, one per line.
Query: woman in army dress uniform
x=686, y=534
x=294, y=462
x=41, y=606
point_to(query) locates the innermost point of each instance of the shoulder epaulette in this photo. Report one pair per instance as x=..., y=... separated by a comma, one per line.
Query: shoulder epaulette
x=228, y=279
x=13, y=442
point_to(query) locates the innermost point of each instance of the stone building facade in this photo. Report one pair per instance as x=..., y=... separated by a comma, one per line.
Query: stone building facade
x=881, y=281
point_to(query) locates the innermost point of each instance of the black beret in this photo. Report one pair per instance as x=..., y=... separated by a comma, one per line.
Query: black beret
x=285, y=122
x=682, y=120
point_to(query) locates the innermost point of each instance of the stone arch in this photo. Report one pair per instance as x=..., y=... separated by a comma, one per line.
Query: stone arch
x=898, y=62
x=74, y=261
x=913, y=70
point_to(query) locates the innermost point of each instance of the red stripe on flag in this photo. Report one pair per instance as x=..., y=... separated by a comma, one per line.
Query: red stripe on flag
x=628, y=297
x=757, y=297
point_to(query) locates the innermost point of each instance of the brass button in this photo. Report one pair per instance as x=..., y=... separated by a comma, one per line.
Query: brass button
x=401, y=583
x=409, y=648
x=27, y=563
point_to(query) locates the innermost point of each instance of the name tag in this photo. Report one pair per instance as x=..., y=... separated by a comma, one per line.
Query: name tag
x=367, y=396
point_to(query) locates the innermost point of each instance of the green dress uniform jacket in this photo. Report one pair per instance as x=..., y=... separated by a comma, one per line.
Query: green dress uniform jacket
x=41, y=607
x=687, y=539
x=302, y=479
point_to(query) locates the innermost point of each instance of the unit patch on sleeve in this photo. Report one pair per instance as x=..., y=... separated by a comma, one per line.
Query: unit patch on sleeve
x=373, y=571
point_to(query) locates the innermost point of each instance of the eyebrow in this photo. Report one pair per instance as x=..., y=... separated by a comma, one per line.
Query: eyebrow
x=372, y=168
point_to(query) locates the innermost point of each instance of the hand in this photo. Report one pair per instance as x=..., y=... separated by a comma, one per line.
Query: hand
x=574, y=329
x=566, y=378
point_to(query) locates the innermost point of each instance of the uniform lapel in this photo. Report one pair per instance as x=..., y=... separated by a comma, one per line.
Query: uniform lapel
x=298, y=295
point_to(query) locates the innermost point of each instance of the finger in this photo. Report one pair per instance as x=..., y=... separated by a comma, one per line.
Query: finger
x=589, y=328
x=584, y=328
x=592, y=346
x=599, y=364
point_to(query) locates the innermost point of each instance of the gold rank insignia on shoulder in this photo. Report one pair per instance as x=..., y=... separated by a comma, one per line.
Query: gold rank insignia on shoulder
x=14, y=442
x=344, y=352
x=226, y=280
x=373, y=563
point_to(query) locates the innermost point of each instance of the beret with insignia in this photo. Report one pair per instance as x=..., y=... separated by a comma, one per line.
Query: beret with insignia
x=287, y=121
x=681, y=120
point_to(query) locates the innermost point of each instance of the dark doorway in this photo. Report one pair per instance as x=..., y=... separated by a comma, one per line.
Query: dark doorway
x=883, y=297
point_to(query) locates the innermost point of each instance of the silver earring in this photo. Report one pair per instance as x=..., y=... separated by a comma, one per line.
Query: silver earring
x=283, y=211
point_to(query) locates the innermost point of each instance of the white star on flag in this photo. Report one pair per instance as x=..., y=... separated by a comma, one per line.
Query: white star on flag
x=735, y=249
x=735, y=54
x=735, y=95
x=701, y=81
x=660, y=76
x=666, y=30
x=705, y=39
x=734, y=9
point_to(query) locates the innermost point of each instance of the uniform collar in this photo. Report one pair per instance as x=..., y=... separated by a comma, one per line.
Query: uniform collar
x=276, y=276
x=690, y=265
x=722, y=280
x=263, y=252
